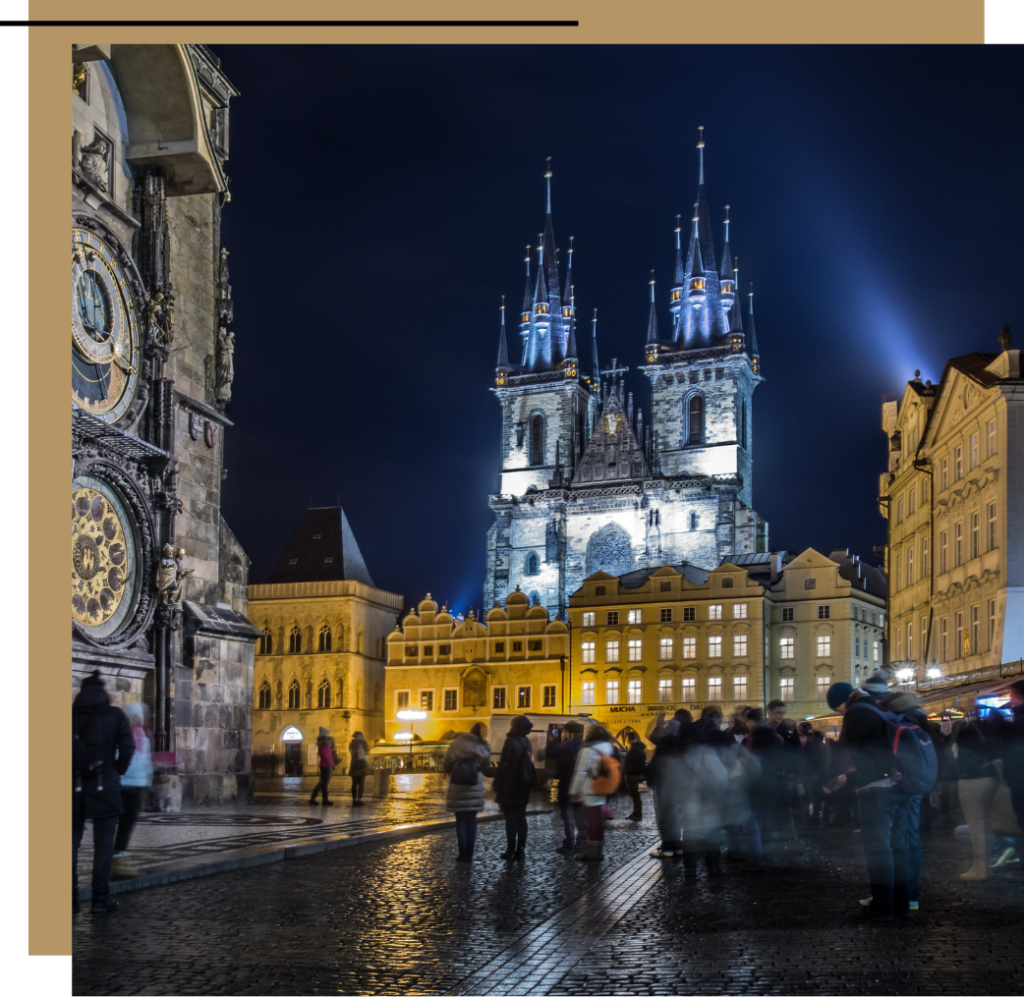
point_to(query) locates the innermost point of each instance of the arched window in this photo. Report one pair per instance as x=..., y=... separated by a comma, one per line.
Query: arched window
x=325, y=638
x=294, y=695
x=537, y=439
x=323, y=695
x=266, y=642
x=532, y=563
x=265, y=695
x=695, y=420
x=295, y=641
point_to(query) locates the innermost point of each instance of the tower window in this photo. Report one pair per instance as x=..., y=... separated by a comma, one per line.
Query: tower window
x=265, y=695
x=532, y=564
x=695, y=420
x=295, y=641
x=323, y=695
x=537, y=439
x=325, y=638
x=293, y=695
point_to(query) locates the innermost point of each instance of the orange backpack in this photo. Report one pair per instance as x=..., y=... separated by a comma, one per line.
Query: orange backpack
x=609, y=776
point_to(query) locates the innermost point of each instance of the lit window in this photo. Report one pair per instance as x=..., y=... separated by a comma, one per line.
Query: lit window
x=824, y=646
x=714, y=688
x=739, y=645
x=715, y=646
x=991, y=526
x=714, y=612
x=635, y=649
x=588, y=652
x=689, y=614
x=611, y=651
x=973, y=453
x=588, y=693
x=589, y=619
x=634, y=616
x=427, y=700
x=786, y=688
x=664, y=690
x=666, y=614
x=739, y=611
x=824, y=681
x=824, y=612
x=876, y=651
x=665, y=649
x=991, y=623
x=787, y=614
x=739, y=688
x=451, y=699
x=975, y=629
x=523, y=697
x=499, y=698
x=402, y=700
x=943, y=640
x=924, y=557
x=787, y=647
x=689, y=647
x=636, y=691
x=990, y=438
x=689, y=690
x=611, y=692
x=961, y=635
x=548, y=693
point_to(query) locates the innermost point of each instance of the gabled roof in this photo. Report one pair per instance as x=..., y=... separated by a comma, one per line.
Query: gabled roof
x=323, y=548
x=634, y=579
x=613, y=455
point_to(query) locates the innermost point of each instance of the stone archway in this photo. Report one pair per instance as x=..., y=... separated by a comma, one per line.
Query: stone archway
x=611, y=550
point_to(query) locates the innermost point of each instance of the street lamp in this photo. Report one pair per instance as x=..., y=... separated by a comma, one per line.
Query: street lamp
x=411, y=716
x=934, y=672
x=905, y=674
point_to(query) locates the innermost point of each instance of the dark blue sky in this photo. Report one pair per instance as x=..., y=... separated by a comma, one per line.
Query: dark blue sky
x=382, y=198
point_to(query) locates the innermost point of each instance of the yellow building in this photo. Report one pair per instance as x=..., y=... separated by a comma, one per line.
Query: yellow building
x=461, y=671
x=770, y=626
x=954, y=499
x=320, y=662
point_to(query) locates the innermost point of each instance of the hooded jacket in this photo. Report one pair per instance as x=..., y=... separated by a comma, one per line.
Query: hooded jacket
x=516, y=774
x=325, y=755
x=359, y=756
x=467, y=747
x=106, y=744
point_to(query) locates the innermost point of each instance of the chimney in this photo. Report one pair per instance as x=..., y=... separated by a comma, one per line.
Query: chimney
x=775, y=560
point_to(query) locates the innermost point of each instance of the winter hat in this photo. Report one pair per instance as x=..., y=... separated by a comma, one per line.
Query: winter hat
x=877, y=684
x=838, y=693
x=521, y=725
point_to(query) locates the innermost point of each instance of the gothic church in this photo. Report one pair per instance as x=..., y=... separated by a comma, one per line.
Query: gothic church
x=587, y=484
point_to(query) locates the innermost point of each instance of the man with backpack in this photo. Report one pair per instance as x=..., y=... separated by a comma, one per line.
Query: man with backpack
x=102, y=746
x=890, y=765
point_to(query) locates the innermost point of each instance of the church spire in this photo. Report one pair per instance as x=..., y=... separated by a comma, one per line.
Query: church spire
x=571, y=352
x=652, y=320
x=751, y=333
x=698, y=279
x=524, y=316
x=678, y=280
x=700, y=148
x=502, y=344
x=597, y=369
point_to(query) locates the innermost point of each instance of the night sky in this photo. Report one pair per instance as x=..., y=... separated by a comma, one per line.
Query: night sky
x=382, y=198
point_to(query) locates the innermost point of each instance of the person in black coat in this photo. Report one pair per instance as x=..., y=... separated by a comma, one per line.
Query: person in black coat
x=102, y=749
x=516, y=777
x=634, y=769
x=573, y=820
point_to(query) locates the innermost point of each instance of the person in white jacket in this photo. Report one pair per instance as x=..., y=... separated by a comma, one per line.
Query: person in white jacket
x=596, y=743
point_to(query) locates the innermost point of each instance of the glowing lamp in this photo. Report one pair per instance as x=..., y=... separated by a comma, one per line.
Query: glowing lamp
x=403, y=736
x=934, y=673
x=411, y=715
x=905, y=674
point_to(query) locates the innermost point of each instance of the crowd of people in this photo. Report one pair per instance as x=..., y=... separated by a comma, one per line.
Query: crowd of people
x=741, y=791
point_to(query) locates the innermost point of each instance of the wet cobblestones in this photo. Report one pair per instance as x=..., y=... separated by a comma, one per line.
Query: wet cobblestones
x=405, y=918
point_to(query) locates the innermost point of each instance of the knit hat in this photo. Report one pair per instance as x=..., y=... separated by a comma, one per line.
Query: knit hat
x=838, y=693
x=521, y=725
x=96, y=678
x=876, y=684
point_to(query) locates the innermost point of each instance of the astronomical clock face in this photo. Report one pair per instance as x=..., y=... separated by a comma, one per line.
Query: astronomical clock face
x=104, y=330
x=102, y=557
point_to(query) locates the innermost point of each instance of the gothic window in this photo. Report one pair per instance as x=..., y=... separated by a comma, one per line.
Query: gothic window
x=695, y=420
x=532, y=563
x=295, y=641
x=266, y=644
x=610, y=550
x=537, y=439
x=325, y=638
x=265, y=695
x=294, y=696
x=323, y=695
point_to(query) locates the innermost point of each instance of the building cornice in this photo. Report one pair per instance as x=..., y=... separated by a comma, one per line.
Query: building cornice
x=326, y=590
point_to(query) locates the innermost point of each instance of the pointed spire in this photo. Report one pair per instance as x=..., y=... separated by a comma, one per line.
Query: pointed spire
x=726, y=269
x=652, y=320
x=502, y=344
x=597, y=369
x=736, y=318
x=697, y=264
x=700, y=148
x=528, y=295
x=571, y=353
x=751, y=333
x=568, y=274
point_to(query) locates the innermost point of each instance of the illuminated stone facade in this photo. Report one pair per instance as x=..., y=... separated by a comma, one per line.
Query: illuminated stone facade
x=586, y=484
x=954, y=499
x=320, y=661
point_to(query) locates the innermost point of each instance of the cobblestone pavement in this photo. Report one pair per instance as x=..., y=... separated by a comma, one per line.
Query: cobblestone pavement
x=405, y=918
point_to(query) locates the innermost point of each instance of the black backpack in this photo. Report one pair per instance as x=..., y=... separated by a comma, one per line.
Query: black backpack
x=86, y=755
x=464, y=773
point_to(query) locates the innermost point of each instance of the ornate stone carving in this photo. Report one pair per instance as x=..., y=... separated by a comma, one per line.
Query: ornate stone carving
x=160, y=319
x=611, y=550
x=225, y=366
x=95, y=161
x=170, y=574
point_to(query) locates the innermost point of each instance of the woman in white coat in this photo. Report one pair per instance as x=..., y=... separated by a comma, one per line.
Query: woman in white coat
x=596, y=744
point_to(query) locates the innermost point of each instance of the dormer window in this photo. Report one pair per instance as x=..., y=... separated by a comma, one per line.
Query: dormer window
x=676, y=296
x=697, y=284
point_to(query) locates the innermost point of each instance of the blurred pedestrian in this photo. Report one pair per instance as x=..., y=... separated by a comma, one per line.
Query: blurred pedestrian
x=977, y=785
x=597, y=776
x=1013, y=750
x=467, y=761
x=705, y=779
x=573, y=821
x=101, y=751
x=665, y=777
x=515, y=777
x=134, y=783
x=326, y=758
x=635, y=770
x=358, y=765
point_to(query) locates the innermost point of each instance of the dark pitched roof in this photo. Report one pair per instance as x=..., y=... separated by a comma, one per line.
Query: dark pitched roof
x=323, y=548
x=974, y=364
x=862, y=576
x=693, y=574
